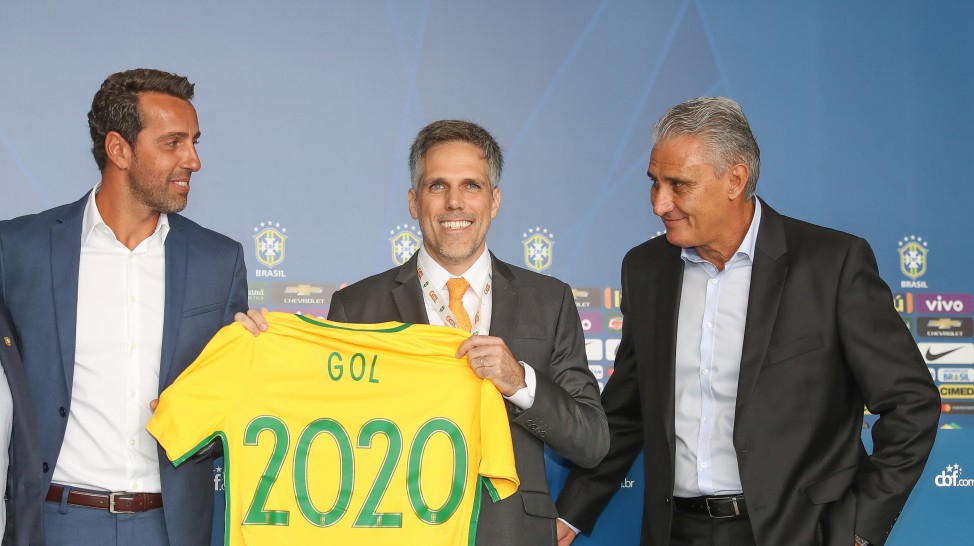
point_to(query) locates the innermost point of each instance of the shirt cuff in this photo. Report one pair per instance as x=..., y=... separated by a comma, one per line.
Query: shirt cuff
x=570, y=526
x=524, y=397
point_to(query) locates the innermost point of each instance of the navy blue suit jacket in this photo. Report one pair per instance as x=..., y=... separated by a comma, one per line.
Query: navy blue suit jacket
x=206, y=283
x=24, y=516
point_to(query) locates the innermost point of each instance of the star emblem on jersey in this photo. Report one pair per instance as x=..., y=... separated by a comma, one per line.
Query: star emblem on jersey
x=538, y=247
x=269, y=238
x=405, y=243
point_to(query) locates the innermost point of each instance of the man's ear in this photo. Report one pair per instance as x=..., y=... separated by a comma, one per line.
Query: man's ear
x=118, y=151
x=737, y=176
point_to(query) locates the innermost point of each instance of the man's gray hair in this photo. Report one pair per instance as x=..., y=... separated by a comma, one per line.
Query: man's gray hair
x=722, y=124
x=452, y=130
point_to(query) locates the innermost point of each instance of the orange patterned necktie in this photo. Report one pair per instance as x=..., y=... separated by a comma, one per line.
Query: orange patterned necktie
x=457, y=287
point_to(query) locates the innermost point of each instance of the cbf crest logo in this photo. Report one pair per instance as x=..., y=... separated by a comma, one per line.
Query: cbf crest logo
x=538, y=248
x=269, y=240
x=913, y=261
x=405, y=243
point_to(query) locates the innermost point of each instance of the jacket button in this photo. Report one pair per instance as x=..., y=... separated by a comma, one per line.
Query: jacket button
x=62, y=411
x=667, y=500
x=46, y=468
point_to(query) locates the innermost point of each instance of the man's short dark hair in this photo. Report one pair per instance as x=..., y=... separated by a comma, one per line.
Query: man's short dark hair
x=116, y=105
x=453, y=130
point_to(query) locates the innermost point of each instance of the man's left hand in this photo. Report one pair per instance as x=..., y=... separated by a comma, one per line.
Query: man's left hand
x=490, y=358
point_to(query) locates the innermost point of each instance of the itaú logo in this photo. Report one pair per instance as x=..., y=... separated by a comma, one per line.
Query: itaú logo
x=951, y=477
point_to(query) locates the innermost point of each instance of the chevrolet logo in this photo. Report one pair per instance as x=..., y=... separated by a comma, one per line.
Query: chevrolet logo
x=943, y=323
x=303, y=290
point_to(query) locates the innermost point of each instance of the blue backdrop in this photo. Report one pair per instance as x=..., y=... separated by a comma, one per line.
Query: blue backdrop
x=307, y=109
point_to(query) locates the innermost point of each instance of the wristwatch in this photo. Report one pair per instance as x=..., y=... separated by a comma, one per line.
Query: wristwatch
x=861, y=541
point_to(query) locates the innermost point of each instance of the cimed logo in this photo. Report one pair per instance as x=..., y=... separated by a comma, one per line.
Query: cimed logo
x=269, y=240
x=538, y=248
x=405, y=243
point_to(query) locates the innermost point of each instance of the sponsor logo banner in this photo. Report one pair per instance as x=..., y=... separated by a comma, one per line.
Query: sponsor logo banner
x=947, y=353
x=950, y=304
x=957, y=407
x=955, y=375
x=587, y=298
x=597, y=370
x=903, y=302
x=952, y=476
x=591, y=321
x=909, y=323
x=613, y=298
x=964, y=392
x=611, y=348
x=593, y=349
x=316, y=295
x=257, y=294
x=613, y=322
x=945, y=326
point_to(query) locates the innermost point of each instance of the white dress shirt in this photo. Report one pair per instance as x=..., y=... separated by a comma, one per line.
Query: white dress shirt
x=709, y=342
x=475, y=276
x=6, y=426
x=121, y=298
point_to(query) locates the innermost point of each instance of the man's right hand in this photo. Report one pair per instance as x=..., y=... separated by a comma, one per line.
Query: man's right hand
x=564, y=533
x=253, y=320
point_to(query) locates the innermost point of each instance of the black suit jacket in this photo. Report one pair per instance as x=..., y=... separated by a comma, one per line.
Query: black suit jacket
x=25, y=518
x=536, y=316
x=821, y=339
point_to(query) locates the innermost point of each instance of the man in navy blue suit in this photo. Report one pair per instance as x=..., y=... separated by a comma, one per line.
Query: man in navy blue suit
x=112, y=297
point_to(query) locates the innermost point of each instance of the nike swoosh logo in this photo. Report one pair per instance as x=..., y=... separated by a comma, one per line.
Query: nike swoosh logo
x=938, y=356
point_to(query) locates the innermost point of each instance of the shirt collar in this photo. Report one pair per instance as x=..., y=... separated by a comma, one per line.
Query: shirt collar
x=476, y=275
x=92, y=219
x=746, y=250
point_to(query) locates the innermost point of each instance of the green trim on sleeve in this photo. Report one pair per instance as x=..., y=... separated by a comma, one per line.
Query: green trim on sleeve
x=494, y=495
x=180, y=460
x=475, y=514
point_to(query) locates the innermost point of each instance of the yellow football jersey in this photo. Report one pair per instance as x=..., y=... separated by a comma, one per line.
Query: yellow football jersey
x=343, y=433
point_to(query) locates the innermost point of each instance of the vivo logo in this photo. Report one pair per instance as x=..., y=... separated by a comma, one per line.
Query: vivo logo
x=953, y=304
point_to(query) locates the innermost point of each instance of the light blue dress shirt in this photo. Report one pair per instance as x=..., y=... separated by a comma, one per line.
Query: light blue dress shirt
x=709, y=342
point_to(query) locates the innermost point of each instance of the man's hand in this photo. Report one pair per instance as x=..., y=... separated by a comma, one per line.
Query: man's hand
x=253, y=320
x=490, y=358
x=564, y=533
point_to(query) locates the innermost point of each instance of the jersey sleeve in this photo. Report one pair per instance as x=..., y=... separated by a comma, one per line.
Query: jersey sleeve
x=497, y=461
x=191, y=410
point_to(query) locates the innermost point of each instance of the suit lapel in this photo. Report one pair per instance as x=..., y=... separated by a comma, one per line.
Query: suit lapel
x=407, y=296
x=503, y=312
x=767, y=282
x=177, y=261
x=667, y=286
x=65, y=264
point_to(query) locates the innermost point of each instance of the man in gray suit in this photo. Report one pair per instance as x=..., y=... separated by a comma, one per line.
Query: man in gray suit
x=530, y=344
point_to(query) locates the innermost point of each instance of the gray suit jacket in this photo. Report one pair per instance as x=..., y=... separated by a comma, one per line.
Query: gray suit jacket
x=206, y=283
x=24, y=516
x=536, y=316
x=821, y=339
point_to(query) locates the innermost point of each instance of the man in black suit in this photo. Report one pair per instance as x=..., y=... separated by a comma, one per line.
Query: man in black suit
x=750, y=343
x=534, y=352
x=24, y=519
